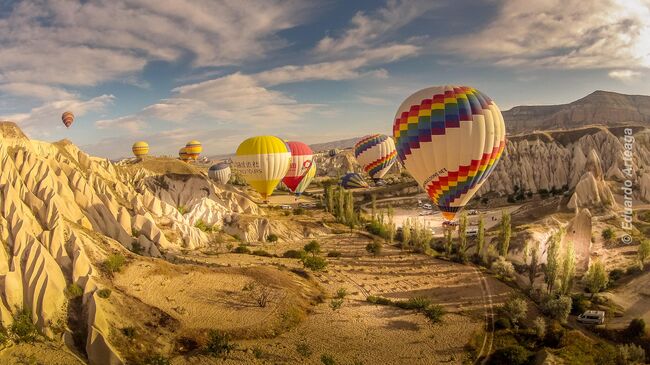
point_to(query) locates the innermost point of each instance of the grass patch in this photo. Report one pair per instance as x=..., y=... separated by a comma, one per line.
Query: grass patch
x=114, y=263
x=200, y=224
x=23, y=329
x=219, y=344
x=104, y=293
x=73, y=291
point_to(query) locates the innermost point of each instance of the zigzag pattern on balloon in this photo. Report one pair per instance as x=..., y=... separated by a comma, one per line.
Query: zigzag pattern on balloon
x=381, y=163
x=367, y=142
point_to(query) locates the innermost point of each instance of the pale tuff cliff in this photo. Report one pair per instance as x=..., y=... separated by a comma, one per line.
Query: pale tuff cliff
x=580, y=159
x=599, y=107
x=63, y=212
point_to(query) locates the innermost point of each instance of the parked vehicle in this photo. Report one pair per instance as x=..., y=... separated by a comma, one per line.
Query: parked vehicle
x=592, y=317
x=425, y=212
x=286, y=207
x=449, y=224
x=427, y=206
x=471, y=230
x=472, y=212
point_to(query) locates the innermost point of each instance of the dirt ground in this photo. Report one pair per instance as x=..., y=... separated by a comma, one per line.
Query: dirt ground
x=39, y=353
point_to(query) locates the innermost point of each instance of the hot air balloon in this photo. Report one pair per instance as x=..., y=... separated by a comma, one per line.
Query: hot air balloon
x=302, y=158
x=182, y=154
x=193, y=149
x=449, y=139
x=140, y=149
x=352, y=180
x=263, y=161
x=67, y=118
x=304, y=183
x=376, y=154
x=220, y=172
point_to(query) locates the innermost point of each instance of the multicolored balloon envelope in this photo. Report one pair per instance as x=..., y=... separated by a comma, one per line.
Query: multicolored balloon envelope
x=67, y=118
x=302, y=158
x=220, y=172
x=376, y=154
x=182, y=154
x=140, y=148
x=263, y=161
x=352, y=180
x=193, y=149
x=304, y=183
x=449, y=139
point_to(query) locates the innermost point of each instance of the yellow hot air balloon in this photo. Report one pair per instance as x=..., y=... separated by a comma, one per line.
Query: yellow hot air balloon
x=182, y=154
x=193, y=149
x=449, y=138
x=263, y=161
x=140, y=149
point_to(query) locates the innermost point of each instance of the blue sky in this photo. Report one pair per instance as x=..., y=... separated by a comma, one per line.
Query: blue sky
x=167, y=71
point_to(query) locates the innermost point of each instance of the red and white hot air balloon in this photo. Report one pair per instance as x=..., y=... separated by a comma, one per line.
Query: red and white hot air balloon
x=301, y=160
x=67, y=118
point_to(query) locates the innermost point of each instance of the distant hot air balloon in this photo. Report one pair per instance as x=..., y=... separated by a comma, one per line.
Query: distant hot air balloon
x=352, y=180
x=263, y=161
x=306, y=180
x=302, y=158
x=220, y=172
x=376, y=154
x=333, y=152
x=449, y=139
x=182, y=154
x=140, y=149
x=67, y=118
x=193, y=149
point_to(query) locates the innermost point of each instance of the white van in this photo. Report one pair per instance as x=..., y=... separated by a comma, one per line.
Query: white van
x=471, y=230
x=592, y=317
x=427, y=206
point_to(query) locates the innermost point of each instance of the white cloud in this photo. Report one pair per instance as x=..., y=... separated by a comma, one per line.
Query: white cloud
x=38, y=91
x=623, y=75
x=39, y=120
x=567, y=34
x=373, y=100
x=369, y=29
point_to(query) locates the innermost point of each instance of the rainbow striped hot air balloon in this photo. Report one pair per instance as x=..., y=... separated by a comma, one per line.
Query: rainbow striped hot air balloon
x=220, y=172
x=449, y=139
x=352, y=180
x=193, y=149
x=376, y=154
x=182, y=154
x=263, y=161
x=67, y=118
x=140, y=149
x=302, y=158
x=306, y=180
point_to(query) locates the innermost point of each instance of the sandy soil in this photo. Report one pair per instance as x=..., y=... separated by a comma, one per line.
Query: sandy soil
x=40, y=353
x=634, y=297
x=370, y=333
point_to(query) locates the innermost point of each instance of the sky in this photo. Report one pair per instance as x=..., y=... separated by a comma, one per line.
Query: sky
x=220, y=71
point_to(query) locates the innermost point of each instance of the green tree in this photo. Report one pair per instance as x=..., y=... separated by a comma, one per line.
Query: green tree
x=596, y=277
x=390, y=225
x=506, y=232
x=534, y=263
x=644, y=251
x=329, y=198
x=340, y=205
x=448, y=241
x=515, y=309
x=406, y=233
x=350, y=216
x=552, y=259
x=480, y=243
x=568, y=268
x=313, y=247
x=462, y=237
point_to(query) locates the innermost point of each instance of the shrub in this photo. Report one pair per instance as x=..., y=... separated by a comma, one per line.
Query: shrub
x=515, y=309
x=579, y=304
x=128, y=332
x=23, y=329
x=633, y=270
x=630, y=354
x=299, y=211
x=417, y=303
x=313, y=247
x=4, y=336
x=539, y=325
x=218, y=344
x=203, y=226
x=262, y=296
x=294, y=254
x=258, y=353
x=334, y=254
x=374, y=248
x=303, y=349
x=114, y=263
x=378, y=300
x=261, y=253
x=242, y=249
x=607, y=234
x=136, y=248
x=616, y=274
x=341, y=293
x=336, y=304
x=511, y=355
x=272, y=237
x=554, y=334
x=636, y=328
x=104, y=293
x=559, y=308
x=327, y=359
x=502, y=323
x=74, y=291
x=156, y=359
x=434, y=313
x=182, y=209
x=503, y=268
x=314, y=263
